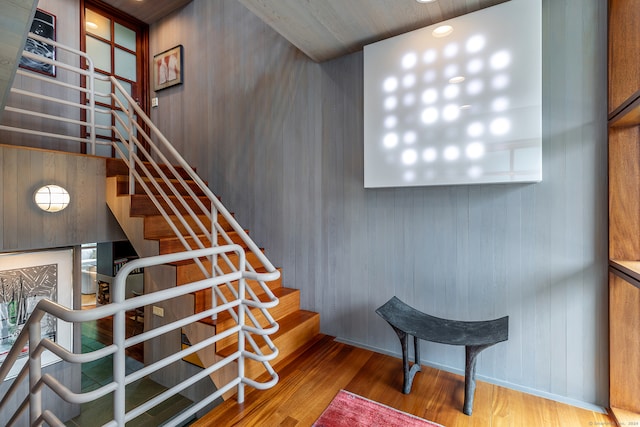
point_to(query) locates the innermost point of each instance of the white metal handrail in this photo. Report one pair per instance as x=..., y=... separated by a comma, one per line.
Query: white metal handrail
x=144, y=166
x=195, y=222
x=118, y=309
x=141, y=151
x=88, y=90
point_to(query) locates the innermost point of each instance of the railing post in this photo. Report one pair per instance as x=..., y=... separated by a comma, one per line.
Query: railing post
x=92, y=105
x=35, y=374
x=119, y=336
x=214, y=257
x=131, y=146
x=241, y=309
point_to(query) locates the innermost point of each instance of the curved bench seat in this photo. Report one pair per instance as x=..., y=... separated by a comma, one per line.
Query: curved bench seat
x=475, y=336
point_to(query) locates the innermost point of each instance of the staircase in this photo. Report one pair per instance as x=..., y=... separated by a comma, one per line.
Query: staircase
x=151, y=234
x=204, y=276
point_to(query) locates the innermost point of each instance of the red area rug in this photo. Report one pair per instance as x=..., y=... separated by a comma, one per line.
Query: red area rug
x=350, y=410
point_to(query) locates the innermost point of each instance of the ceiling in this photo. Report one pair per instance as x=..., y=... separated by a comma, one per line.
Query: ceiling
x=15, y=17
x=322, y=29
x=148, y=11
x=327, y=29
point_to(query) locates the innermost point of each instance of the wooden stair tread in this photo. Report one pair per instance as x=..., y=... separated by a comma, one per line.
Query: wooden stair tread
x=123, y=186
x=173, y=244
x=142, y=205
x=189, y=271
x=156, y=227
x=202, y=299
x=224, y=318
x=233, y=258
x=119, y=167
x=289, y=323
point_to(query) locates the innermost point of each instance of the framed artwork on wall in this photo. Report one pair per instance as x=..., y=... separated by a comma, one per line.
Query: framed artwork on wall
x=25, y=279
x=44, y=25
x=167, y=68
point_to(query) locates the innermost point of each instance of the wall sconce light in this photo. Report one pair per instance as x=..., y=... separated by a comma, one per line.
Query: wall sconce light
x=51, y=198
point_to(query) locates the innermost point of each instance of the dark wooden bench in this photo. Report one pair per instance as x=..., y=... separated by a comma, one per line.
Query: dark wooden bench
x=475, y=336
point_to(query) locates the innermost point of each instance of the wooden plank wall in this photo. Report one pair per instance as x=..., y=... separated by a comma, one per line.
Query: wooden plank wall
x=66, y=374
x=279, y=138
x=25, y=227
x=67, y=13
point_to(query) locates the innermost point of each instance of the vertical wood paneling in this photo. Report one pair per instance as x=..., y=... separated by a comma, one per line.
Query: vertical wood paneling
x=66, y=374
x=280, y=139
x=9, y=199
x=67, y=30
x=25, y=227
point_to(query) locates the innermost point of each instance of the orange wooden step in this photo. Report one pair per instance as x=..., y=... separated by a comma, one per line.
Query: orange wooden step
x=142, y=205
x=289, y=303
x=189, y=271
x=156, y=227
x=202, y=299
x=205, y=303
x=173, y=244
x=123, y=186
x=119, y=167
x=296, y=329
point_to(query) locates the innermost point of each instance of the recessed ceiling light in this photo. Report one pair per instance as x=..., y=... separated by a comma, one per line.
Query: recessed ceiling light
x=457, y=79
x=425, y=1
x=442, y=31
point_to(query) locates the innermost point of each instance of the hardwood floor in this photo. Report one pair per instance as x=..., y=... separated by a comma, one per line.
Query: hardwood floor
x=310, y=379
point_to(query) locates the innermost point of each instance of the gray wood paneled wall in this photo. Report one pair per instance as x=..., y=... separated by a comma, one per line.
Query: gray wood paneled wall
x=67, y=13
x=280, y=139
x=66, y=374
x=25, y=227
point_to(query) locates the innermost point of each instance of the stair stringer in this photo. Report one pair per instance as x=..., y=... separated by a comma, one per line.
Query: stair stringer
x=162, y=277
x=133, y=227
x=208, y=356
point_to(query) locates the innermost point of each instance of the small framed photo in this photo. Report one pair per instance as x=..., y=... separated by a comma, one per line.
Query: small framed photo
x=167, y=68
x=44, y=25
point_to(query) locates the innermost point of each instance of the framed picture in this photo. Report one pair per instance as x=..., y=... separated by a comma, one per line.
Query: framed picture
x=167, y=68
x=44, y=25
x=25, y=279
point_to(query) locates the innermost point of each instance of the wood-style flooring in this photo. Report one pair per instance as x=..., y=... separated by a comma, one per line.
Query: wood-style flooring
x=311, y=378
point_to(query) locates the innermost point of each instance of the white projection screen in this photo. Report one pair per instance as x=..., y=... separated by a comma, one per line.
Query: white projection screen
x=457, y=108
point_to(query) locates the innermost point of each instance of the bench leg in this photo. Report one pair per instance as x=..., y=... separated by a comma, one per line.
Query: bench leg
x=409, y=372
x=472, y=352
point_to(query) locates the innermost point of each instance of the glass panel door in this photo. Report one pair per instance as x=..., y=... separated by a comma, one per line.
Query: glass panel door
x=117, y=47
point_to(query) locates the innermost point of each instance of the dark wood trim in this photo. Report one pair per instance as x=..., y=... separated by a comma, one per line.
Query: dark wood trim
x=141, y=87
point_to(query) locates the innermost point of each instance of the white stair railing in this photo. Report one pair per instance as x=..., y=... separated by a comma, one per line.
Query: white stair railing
x=30, y=335
x=62, y=110
x=144, y=149
x=187, y=204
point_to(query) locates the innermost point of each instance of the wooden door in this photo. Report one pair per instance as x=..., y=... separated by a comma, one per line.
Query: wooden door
x=118, y=45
